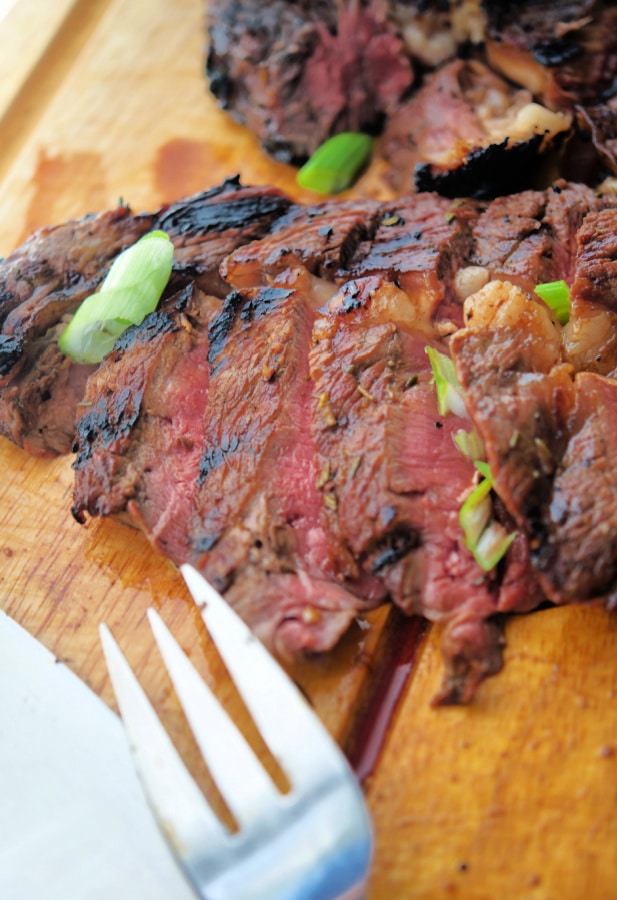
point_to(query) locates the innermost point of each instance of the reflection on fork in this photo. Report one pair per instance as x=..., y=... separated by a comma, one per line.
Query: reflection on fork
x=314, y=841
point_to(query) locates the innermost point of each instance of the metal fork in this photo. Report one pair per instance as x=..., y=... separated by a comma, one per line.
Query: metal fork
x=314, y=841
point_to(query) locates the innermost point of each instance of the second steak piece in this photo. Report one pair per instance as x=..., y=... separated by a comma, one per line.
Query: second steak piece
x=256, y=531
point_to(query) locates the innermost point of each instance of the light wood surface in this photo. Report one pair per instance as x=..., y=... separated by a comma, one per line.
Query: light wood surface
x=512, y=797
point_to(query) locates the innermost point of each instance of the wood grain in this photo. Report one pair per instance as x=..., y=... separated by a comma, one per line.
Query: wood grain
x=511, y=797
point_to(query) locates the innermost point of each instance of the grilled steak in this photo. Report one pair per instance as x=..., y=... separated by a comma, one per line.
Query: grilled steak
x=488, y=137
x=275, y=423
x=41, y=283
x=138, y=444
x=392, y=477
x=420, y=246
x=590, y=337
x=297, y=72
x=469, y=96
x=256, y=531
x=206, y=228
x=322, y=238
x=563, y=52
x=530, y=238
x=549, y=442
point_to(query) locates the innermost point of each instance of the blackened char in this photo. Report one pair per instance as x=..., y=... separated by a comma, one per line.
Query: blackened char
x=207, y=227
x=468, y=132
x=298, y=72
x=392, y=478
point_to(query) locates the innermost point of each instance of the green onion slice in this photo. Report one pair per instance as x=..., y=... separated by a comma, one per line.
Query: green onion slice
x=487, y=539
x=131, y=289
x=475, y=513
x=556, y=295
x=447, y=385
x=469, y=443
x=336, y=164
x=492, y=545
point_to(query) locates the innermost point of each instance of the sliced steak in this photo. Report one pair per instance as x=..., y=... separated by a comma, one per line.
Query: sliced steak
x=517, y=393
x=207, y=227
x=274, y=422
x=549, y=440
x=420, y=243
x=41, y=284
x=139, y=440
x=322, y=238
x=530, y=238
x=393, y=480
x=564, y=51
x=577, y=559
x=590, y=337
x=256, y=531
x=297, y=72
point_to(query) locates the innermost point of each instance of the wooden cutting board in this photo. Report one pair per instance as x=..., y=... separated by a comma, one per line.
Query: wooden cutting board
x=514, y=796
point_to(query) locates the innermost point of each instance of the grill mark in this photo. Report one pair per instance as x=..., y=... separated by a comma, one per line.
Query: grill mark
x=112, y=417
x=11, y=348
x=213, y=457
x=247, y=308
x=205, y=218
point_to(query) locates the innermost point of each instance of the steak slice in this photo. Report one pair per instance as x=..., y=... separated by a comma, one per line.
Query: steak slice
x=530, y=238
x=517, y=392
x=139, y=441
x=563, y=51
x=468, y=132
x=590, y=336
x=208, y=226
x=256, y=532
x=297, y=72
x=322, y=238
x=549, y=440
x=577, y=560
x=41, y=284
x=393, y=480
x=420, y=243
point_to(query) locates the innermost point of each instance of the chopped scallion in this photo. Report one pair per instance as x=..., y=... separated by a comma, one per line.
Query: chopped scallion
x=336, y=164
x=487, y=539
x=492, y=545
x=131, y=289
x=475, y=513
x=469, y=443
x=449, y=395
x=556, y=295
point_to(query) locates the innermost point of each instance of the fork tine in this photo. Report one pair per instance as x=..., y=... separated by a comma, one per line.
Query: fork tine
x=240, y=777
x=301, y=744
x=186, y=818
